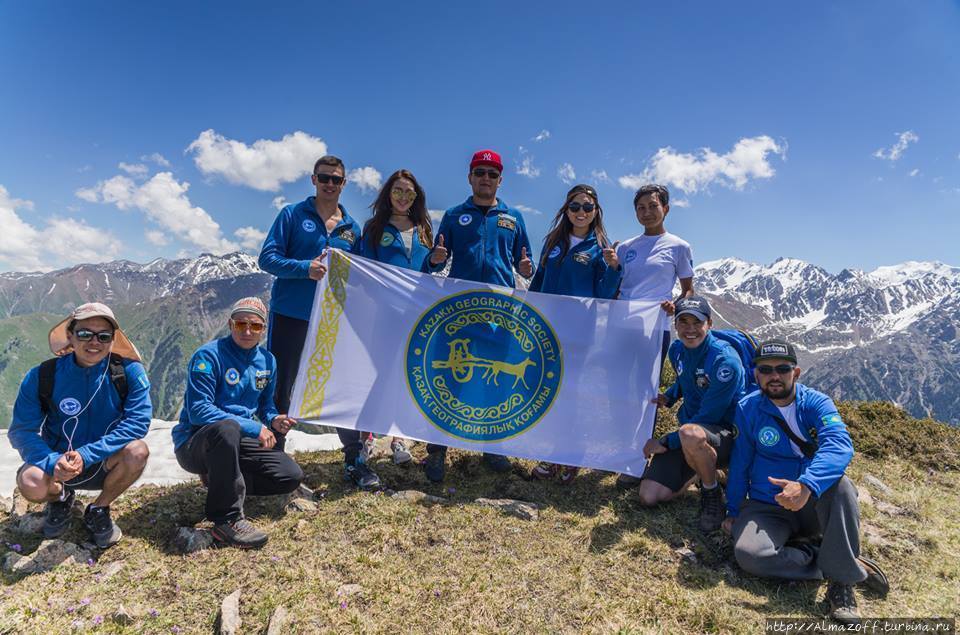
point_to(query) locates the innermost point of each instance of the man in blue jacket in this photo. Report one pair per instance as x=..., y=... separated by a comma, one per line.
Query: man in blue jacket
x=229, y=382
x=790, y=456
x=710, y=380
x=79, y=422
x=486, y=239
x=294, y=252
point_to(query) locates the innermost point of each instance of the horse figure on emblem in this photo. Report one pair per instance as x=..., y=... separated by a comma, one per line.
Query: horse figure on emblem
x=461, y=363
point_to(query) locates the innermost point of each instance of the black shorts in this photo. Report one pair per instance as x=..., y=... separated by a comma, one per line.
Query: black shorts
x=91, y=478
x=670, y=469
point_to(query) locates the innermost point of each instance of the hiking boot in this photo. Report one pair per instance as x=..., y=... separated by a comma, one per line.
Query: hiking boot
x=239, y=533
x=544, y=470
x=436, y=466
x=360, y=474
x=626, y=481
x=98, y=522
x=497, y=462
x=56, y=516
x=876, y=579
x=712, y=508
x=567, y=474
x=401, y=455
x=843, y=603
x=369, y=443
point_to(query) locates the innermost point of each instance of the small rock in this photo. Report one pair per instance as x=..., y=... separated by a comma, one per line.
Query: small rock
x=349, y=589
x=864, y=495
x=873, y=534
x=301, y=505
x=520, y=509
x=6, y=505
x=876, y=483
x=190, y=539
x=890, y=509
x=19, y=504
x=27, y=523
x=278, y=621
x=230, y=614
x=302, y=526
x=686, y=553
x=122, y=616
x=303, y=492
x=414, y=496
x=111, y=570
x=49, y=555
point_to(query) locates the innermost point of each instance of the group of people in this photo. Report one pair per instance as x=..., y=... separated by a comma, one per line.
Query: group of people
x=80, y=417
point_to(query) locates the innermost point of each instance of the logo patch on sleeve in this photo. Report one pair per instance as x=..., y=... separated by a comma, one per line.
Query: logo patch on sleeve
x=232, y=376
x=69, y=406
x=202, y=366
x=832, y=420
x=554, y=252
x=725, y=373
x=465, y=219
x=386, y=240
x=308, y=226
x=143, y=381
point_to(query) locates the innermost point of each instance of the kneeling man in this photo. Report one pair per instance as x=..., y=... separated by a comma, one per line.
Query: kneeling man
x=79, y=421
x=801, y=521
x=229, y=381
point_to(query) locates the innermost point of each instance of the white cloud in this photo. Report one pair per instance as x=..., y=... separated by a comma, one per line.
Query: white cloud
x=600, y=176
x=526, y=209
x=279, y=202
x=157, y=158
x=680, y=202
x=436, y=214
x=157, y=237
x=914, y=171
x=88, y=194
x=525, y=166
x=691, y=173
x=543, y=135
x=566, y=173
x=63, y=240
x=134, y=169
x=164, y=200
x=895, y=151
x=251, y=238
x=368, y=179
x=263, y=166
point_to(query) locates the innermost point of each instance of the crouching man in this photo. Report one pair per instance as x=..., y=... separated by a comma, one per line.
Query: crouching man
x=79, y=421
x=229, y=381
x=801, y=521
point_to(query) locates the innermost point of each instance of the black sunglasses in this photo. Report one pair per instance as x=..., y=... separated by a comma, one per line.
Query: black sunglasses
x=327, y=178
x=587, y=207
x=480, y=173
x=780, y=369
x=85, y=335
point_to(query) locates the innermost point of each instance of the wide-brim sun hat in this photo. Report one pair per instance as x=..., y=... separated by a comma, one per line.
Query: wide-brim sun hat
x=60, y=344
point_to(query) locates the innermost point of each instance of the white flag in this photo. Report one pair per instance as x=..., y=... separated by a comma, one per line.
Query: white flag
x=477, y=366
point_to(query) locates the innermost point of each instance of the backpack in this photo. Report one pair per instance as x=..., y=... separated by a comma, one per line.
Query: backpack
x=746, y=347
x=48, y=369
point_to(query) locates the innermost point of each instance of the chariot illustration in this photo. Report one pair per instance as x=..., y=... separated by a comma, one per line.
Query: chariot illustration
x=461, y=363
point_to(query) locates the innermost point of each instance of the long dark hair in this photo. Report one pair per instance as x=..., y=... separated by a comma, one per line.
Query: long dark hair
x=561, y=227
x=383, y=207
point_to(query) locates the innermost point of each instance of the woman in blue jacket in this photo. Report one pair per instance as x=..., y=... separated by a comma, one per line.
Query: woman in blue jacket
x=399, y=233
x=577, y=259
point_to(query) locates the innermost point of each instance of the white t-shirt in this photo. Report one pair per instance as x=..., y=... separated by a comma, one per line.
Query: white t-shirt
x=574, y=241
x=789, y=414
x=652, y=265
x=407, y=237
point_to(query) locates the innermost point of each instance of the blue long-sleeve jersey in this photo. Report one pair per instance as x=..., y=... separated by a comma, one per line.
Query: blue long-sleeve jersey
x=225, y=381
x=86, y=407
x=392, y=251
x=761, y=448
x=484, y=247
x=710, y=380
x=581, y=271
x=299, y=235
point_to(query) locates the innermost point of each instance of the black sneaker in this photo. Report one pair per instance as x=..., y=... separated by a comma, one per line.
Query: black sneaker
x=56, y=516
x=360, y=474
x=436, y=466
x=497, y=462
x=843, y=603
x=98, y=522
x=712, y=506
x=239, y=533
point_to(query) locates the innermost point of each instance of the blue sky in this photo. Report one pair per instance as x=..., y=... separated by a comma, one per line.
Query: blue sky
x=821, y=131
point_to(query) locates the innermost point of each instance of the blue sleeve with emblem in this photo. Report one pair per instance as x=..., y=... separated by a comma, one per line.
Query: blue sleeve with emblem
x=606, y=279
x=267, y=409
x=741, y=460
x=200, y=400
x=134, y=422
x=447, y=235
x=834, y=451
x=273, y=256
x=522, y=241
x=726, y=388
x=24, y=433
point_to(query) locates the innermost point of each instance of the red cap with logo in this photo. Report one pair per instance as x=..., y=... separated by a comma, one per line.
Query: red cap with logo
x=486, y=157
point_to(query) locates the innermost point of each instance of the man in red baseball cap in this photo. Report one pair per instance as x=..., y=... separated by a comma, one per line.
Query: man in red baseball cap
x=483, y=219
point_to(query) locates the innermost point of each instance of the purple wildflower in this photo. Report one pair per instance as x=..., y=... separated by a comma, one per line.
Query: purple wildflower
x=16, y=547
x=90, y=562
x=275, y=558
x=436, y=593
x=174, y=629
x=343, y=604
x=98, y=619
x=77, y=623
x=154, y=613
x=85, y=601
x=451, y=490
x=71, y=609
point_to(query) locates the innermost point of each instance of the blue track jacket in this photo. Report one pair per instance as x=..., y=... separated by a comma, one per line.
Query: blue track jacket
x=485, y=248
x=298, y=236
x=225, y=381
x=581, y=271
x=709, y=380
x=100, y=426
x=392, y=251
x=762, y=449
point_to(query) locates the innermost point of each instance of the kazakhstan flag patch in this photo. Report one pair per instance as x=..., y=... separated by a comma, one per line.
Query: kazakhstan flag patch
x=202, y=366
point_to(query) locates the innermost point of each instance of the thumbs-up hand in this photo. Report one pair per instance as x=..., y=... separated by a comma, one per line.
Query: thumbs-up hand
x=318, y=267
x=794, y=495
x=525, y=266
x=610, y=256
x=439, y=253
